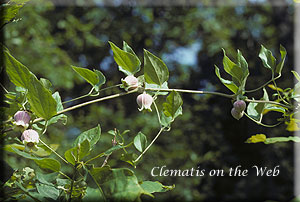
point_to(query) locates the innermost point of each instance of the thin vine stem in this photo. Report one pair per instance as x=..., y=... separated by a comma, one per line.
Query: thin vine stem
x=80, y=97
x=256, y=89
x=6, y=91
x=157, y=112
x=54, y=152
x=193, y=91
x=269, y=102
x=88, y=103
x=158, y=134
x=90, y=93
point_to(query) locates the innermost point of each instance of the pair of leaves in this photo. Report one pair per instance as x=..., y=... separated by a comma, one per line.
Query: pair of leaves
x=41, y=101
x=155, y=70
x=269, y=61
x=47, y=164
x=239, y=72
x=126, y=59
x=95, y=78
x=262, y=138
x=121, y=184
x=83, y=144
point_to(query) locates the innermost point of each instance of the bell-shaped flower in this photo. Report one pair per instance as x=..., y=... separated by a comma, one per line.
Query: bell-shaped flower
x=130, y=82
x=237, y=114
x=22, y=119
x=239, y=105
x=30, y=139
x=144, y=101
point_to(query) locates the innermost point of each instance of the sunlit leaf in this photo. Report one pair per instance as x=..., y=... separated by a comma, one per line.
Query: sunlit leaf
x=267, y=58
x=88, y=75
x=77, y=153
x=128, y=62
x=153, y=187
x=229, y=84
x=140, y=141
x=155, y=70
x=281, y=63
x=92, y=135
x=255, y=110
x=172, y=104
x=256, y=138
x=234, y=70
x=40, y=98
x=282, y=139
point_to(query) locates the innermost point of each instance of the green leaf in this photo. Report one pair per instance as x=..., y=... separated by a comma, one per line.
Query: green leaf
x=281, y=63
x=88, y=75
x=41, y=101
x=267, y=58
x=155, y=70
x=101, y=78
x=48, y=191
x=8, y=12
x=282, y=139
x=153, y=187
x=296, y=75
x=229, y=84
x=92, y=136
x=93, y=195
x=44, y=163
x=242, y=63
x=172, y=104
x=77, y=153
x=255, y=110
x=256, y=138
x=270, y=107
x=48, y=164
x=17, y=72
x=114, y=148
x=231, y=68
x=128, y=62
x=167, y=120
x=59, y=107
x=128, y=49
x=40, y=98
x=118, y=184
x=129, y=158
x=140, y=141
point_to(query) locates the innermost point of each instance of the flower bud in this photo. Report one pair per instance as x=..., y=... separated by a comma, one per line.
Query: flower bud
x=239, y=105
x=30, y=138
x=237, y=114
x=130, y=82
x=22, y=119
x=144, y=101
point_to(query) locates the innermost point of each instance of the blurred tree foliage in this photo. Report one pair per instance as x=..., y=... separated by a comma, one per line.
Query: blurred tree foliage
x=48, y=39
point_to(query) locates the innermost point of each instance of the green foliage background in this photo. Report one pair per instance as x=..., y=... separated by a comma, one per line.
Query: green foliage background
x=48, y=39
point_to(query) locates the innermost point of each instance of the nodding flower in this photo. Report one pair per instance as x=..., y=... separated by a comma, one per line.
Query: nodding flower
x=237, y=114
x=30, y=139
x=130, y=82
x=22, y=119
x=239, y=105
x=144, y=101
